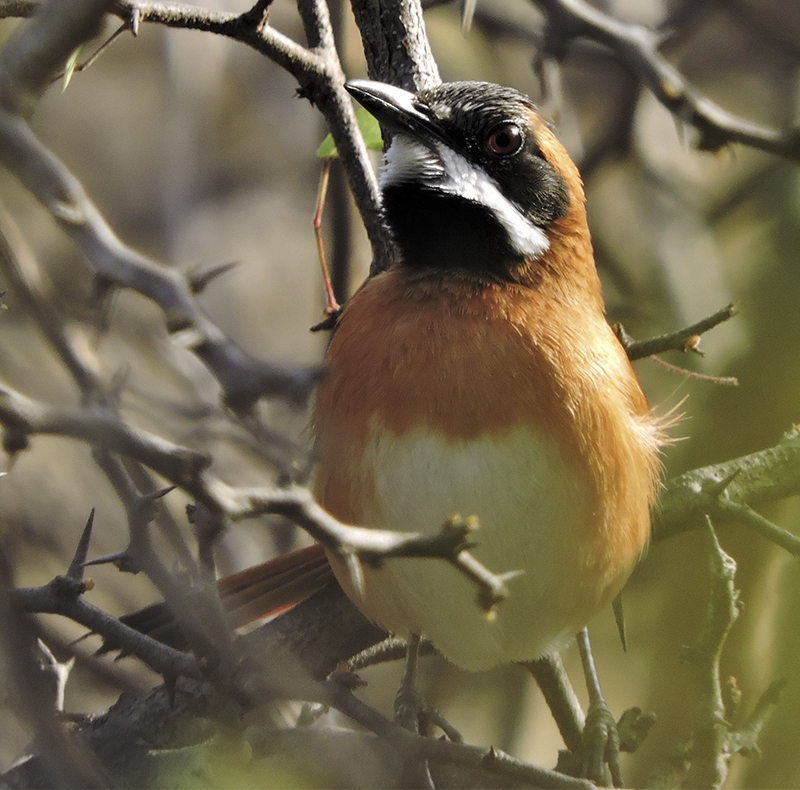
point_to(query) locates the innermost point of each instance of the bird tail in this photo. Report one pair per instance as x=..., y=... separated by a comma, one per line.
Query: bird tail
x=250, y=595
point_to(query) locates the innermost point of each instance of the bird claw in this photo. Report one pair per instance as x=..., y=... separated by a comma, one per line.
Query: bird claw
x=601, y=746
x=408, y=708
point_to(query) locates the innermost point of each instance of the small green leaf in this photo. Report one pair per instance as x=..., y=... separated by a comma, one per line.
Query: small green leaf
x=327, y=149
x=370, y=131
x=69, y=69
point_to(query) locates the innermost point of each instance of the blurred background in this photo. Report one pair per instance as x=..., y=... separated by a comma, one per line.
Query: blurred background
x=199, y=153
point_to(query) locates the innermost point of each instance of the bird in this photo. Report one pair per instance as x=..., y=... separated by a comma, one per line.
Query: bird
x=478, y=375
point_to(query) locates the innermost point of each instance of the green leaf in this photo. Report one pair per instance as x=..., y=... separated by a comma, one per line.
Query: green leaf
x=69, y=69
x=370, y=131
x=327, y=149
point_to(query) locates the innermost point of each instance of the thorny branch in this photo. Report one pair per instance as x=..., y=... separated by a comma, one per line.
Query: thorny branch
x=420, y=748
x=243, y=378
x=637, y=47
x=318, y=73
x=687, y=339
x=703, y=759
x=24, y=417
x=748, y=481
x=709, y=754
x=62, y=597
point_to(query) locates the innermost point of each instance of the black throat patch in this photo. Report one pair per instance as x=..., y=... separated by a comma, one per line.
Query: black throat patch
x=438, y=230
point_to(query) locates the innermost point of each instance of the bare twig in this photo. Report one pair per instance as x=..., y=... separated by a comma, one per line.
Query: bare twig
x=66, y=764
x=637, y=47
x=28, y=61
x=374, y=546
x=755, y=521
x=725, y=381
x=767, y=475
x=711, y=751
x=243, y=379
x=686, y=339
x=23, y=417
x=62, y=596
x=395, y=43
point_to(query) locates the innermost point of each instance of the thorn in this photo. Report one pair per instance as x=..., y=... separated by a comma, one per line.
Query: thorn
x=200, y=280
x=356, y=572
x=328, y=323
x=60, y=671
x=170, y=684
x=119, y=381
x=619, y=617
x=136, y=17
x=78, y=563
x=122, y=559
x=115, y=557
x=467, y=15
x=81, y=638
x=158, y=494
x=719, y=487
x=145, y=505
x=489, y=757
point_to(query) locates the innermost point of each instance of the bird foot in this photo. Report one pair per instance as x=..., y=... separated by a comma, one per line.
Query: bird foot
x=601, y=747
x=409, y=708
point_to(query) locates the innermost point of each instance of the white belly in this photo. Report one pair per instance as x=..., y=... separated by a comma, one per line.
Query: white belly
x=531, y=506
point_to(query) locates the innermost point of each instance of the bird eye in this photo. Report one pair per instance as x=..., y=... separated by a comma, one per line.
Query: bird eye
x=504, y=140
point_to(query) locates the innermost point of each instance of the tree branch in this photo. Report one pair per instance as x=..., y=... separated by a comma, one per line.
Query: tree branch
x=42, y=46
x=687, y=339
x=24, y=417
x=710, y=754
x=637, y=47
x=396, y=44
x=749, y=480
x=62, y=596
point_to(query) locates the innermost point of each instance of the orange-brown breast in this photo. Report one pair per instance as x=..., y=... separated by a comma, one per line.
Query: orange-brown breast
x=464, y=361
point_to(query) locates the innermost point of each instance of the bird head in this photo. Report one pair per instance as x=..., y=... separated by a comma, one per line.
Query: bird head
x=476, y=181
